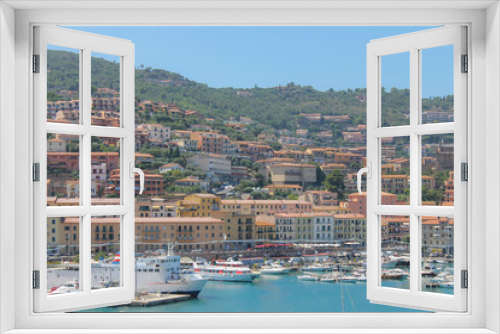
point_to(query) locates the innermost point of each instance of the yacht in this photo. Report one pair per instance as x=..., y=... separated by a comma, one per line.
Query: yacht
x=274, y=269
x=229, y=270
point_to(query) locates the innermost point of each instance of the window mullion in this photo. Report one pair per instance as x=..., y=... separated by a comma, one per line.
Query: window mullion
x=414, y=167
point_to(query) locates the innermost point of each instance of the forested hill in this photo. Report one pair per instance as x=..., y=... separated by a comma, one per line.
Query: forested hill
x=278, y=107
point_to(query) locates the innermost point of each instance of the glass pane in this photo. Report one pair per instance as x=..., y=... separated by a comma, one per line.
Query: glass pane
x=105, y=252
x=395, y=247
x=63, y=170
x=395, y=170
x=395, y=93
x=63, y=84
x=105, y=89
x=438, y=170
x=63, y=255
x=105, y=171
x=437, y=84
x=437, y=254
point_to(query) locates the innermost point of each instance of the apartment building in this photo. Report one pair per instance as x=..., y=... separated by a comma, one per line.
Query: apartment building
x=350, y=227
x=395, y=184
x=186, y=144
x=259, y=207
x=240, y=227
x=266, y=231
x=151, y=234
x=320, y=197
x=156, y=132
x=284, y=188
x=213, y=142
x=192, y=181
x=329, y=168
x=323, y=227
x=437, y=236
x=396, y=230
x=288, y=173
x=198, y=205
x=217, y=167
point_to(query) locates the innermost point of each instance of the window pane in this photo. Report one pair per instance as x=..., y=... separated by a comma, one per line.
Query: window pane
x=437, y=254
x=395, y=94
x=438, y=170
x=395, y=247
x=105, y=171
x=437, y=95
x=105, y=252
x=63, y=84
x=63, y=255
x=105, y=89
x=63, y=170
x=395, y=170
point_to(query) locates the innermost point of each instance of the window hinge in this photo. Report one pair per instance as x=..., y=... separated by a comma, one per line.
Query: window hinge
x=36, y=63
x=464, y=277
x=36, y=172
x=36, y=279
x=464, y=167
x=465, y=64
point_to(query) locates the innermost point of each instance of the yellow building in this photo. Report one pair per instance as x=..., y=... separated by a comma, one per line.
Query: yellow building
x=198, y=205
x=350, y=227
x=266, y=231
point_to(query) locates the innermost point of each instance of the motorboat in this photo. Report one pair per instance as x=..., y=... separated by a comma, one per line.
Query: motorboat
x=68, y=287
x=229, y=271
x=307, y=278
x=274, y=269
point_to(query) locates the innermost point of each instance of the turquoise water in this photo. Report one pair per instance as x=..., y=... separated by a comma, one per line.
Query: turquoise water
x=275, y=294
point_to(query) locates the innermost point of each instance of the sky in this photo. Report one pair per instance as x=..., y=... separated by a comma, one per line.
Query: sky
x=243, y=57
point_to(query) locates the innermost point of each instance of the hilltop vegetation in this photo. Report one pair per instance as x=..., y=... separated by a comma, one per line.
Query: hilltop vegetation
x=275, y=108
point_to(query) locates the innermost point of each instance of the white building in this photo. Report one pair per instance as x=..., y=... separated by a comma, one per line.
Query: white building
x=216, y=166
x=156, y=131
x=56, y=145
x=169, y=167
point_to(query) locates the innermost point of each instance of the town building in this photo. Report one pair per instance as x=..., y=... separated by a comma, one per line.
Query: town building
x=357, y=202
x=320, y=197
x=170, y=167
x=288, y=173
x=198, y=205
x=217, y=167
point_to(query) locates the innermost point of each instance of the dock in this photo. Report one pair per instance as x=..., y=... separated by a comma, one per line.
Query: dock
x=153, y=299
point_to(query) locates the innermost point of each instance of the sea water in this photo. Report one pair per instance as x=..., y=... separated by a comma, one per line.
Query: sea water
x=277, y=294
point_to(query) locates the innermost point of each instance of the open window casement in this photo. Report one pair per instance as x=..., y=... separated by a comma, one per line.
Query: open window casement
x=64, y=158
x=424, y=219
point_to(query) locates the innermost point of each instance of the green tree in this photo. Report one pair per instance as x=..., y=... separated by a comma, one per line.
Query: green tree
x=320, y=176
x=334, y=182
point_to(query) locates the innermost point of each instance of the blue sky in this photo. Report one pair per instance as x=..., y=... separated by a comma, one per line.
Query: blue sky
x=242, y=57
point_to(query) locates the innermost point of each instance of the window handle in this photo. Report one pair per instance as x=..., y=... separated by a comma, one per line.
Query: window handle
x=139, y=171
x=368, y=171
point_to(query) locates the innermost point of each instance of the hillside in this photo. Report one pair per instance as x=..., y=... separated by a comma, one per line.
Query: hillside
x=276, y=108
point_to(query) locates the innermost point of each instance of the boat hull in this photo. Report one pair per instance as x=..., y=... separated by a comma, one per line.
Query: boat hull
x=191, y=287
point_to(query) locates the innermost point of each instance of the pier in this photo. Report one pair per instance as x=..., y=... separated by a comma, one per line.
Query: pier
x=153, y=299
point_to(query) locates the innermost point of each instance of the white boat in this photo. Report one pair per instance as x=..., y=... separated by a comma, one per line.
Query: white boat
x=274, y=269
x=430, y=270
x=329, y=279
x=317, y=267
x=348, y=279
x=445, y=276
x=394, y=261
x=162, y=275
x=67, y=287
x=307, y=278
x=230, y=271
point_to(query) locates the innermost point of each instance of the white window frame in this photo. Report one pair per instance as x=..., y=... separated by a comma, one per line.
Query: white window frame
x=85, y=43
x=484, y=102
x=413, y=43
